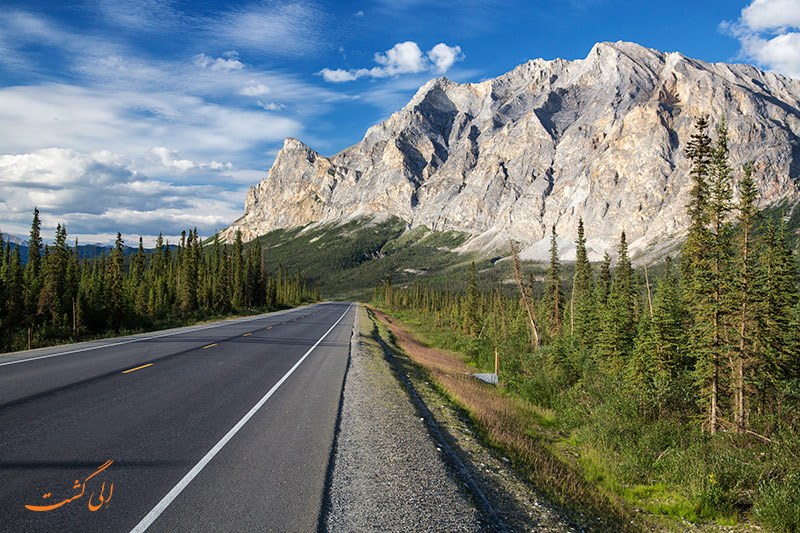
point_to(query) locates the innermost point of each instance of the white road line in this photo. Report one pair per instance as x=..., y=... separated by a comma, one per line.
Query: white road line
x=182, y=484
x=199, y=328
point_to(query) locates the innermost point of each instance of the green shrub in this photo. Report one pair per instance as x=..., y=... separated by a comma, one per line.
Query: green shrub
x=777, y=503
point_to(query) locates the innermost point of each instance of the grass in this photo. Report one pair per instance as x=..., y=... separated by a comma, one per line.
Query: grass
x=519, y=429
x=617, y=457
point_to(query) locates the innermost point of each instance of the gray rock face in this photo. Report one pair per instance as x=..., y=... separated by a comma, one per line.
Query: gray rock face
x=601, y=138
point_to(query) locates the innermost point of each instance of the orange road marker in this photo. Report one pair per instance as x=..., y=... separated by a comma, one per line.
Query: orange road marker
x=247, y=334
x=209, y=346
x=137, y=368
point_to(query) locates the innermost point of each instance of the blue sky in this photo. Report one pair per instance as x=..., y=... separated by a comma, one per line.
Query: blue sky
x=148, y=116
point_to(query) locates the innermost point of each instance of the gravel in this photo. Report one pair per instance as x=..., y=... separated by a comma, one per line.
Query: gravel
x=388, y=473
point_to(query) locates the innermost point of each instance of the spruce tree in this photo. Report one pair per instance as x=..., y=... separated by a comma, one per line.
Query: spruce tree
x=778, y=278
x=188, y=273
x=581, y=299
x=238, y=272
x=471, y=311
x=15, y=300
x=115, y=284
x=618, y=319
x=553, y=296
x=33, y=279
x=746, y=293
x=708, y=267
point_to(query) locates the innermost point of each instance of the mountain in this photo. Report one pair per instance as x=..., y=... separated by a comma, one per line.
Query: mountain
x=13, y=239
x=85, y=251
x=601, y=138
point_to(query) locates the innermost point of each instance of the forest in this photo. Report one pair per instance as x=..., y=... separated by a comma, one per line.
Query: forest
x=687, y=387
x=56, y=297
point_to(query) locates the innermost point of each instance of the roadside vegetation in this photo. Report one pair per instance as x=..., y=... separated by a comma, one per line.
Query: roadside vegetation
x=679, y=396
x=56, y=297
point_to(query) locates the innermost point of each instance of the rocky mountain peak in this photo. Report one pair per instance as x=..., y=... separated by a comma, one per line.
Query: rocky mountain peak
x=600, y=138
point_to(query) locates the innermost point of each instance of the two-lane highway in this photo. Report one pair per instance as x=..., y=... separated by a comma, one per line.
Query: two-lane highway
x=227, y=426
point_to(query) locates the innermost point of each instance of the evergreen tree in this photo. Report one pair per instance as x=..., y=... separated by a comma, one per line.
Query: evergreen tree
x=188, y=273
x=33, y=279
x=659, y=353
x=138, y=289
x=114, y=281
x=471, y=312
x=238, y=272
x=51, y=301
x=618, y=315
x=14, y=282
x=707, y=263
x=603, y=285
x=553, y=296
x=582, y=309
x=4, y=260
x=778, y=279
x=746, y=293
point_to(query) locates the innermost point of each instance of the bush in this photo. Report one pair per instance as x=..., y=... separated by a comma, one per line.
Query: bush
x=777, y=503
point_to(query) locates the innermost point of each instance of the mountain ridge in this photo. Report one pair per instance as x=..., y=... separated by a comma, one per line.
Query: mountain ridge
x=542, y=145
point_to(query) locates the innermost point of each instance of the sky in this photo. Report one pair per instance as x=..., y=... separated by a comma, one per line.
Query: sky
x=155, y=116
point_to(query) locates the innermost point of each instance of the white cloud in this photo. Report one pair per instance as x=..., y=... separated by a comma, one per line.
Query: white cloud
x=98, y=194
x=255, y=90
x=771, y=14
x=128, y=122
x=402, y=58
x=206, y=61
x=444, y=56
x=271, y=106
x=291, y=28
x=765, y=33
x=338, y=75
x=138, y=15
x=169, y=158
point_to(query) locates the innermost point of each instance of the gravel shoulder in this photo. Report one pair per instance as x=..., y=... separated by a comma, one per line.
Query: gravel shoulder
x=388, y=473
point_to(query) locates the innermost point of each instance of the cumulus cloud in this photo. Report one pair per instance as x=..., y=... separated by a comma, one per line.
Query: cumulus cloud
x=443, y=56
x=101, y=193
x=402, y=58
x=768, y=33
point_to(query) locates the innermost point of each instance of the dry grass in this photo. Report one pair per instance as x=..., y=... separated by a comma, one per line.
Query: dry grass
x=515, y=427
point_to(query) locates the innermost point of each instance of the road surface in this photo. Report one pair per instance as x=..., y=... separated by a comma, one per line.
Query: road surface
x=220, y=427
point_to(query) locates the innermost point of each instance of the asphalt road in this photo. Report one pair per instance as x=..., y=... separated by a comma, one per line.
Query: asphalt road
x=213, y=435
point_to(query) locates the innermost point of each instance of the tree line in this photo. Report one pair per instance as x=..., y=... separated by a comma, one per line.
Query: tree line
x=715, y=340
x=56, y=295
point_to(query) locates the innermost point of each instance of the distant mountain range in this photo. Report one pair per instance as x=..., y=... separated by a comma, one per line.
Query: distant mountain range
x=601, y=138
x=85, y=251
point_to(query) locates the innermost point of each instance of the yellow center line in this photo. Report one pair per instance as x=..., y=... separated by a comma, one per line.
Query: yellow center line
x=247, y=334
x=269, y=327
x=209, y=346
x=137, y=368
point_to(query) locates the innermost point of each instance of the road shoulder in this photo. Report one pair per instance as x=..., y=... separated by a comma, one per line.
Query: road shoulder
x=388, y=474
